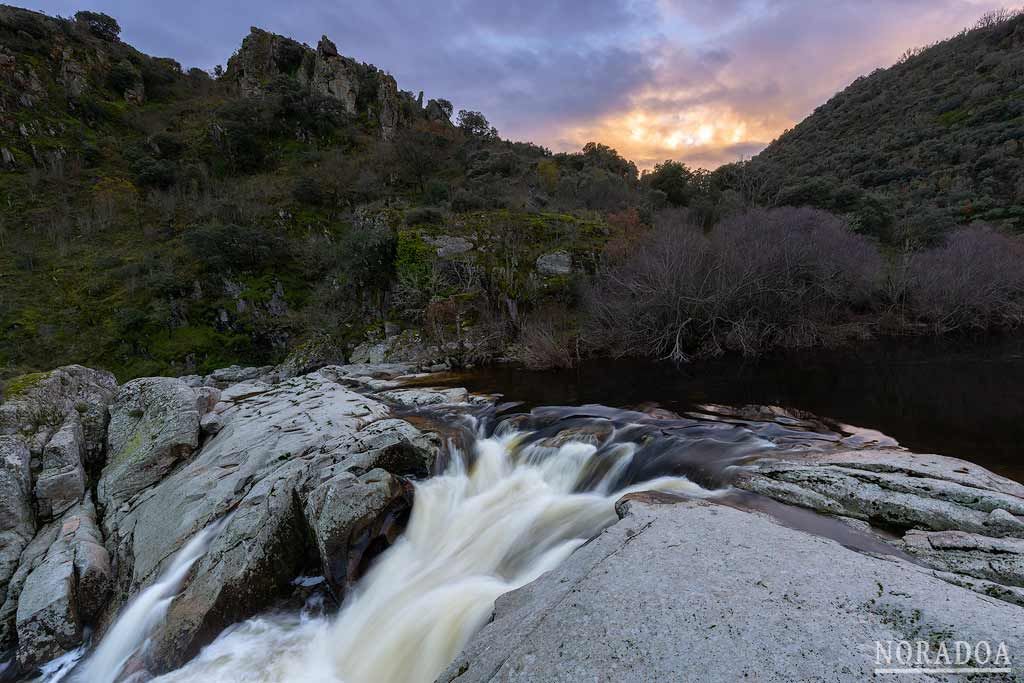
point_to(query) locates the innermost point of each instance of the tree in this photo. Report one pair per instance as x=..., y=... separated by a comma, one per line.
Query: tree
x=99, y=24
x=603, y=156
x=475, y=124
x=676, y=180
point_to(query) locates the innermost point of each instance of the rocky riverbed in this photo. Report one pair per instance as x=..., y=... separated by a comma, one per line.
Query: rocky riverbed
x=101, y=485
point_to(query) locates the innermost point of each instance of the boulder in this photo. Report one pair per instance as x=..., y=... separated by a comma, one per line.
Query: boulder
x=17, y=524
x=154, y=425
x=350, y=515
x=37, y=405
x=554, y=264
x=63, y=587
x=700, y=592
x=449, y=245
x=61, y=481
x=311, y=355
x=417, y=398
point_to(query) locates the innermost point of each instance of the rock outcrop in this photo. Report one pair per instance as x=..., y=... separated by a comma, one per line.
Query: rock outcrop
x=52, y=438
x=359, y=88
x=154, y=425
x=955, y=516
x=280, y=453
x=300, y=473
x=65, y=583
x=699, y=592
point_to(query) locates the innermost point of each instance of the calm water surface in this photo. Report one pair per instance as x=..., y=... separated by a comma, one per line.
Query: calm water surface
x=963, y=399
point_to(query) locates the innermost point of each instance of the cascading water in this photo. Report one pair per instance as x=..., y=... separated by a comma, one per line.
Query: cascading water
x=499, y=517
x=142, y=615
x=511, y=505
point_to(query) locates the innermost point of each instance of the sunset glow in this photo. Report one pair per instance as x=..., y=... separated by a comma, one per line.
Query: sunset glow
x=706, y=82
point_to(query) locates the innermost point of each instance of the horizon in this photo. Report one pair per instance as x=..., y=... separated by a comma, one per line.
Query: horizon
x=699, y=82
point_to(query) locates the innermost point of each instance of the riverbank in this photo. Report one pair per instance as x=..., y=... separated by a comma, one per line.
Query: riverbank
x=248, y=493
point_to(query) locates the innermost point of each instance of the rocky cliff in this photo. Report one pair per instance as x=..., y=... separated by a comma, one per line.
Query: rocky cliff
x=362, y=89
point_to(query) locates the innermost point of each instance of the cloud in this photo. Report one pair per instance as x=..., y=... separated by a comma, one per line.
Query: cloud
x=703, y=81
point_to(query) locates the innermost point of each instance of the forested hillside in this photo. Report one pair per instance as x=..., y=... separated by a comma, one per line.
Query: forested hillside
x=935, y=141
x=157, y=220
x=297, y=201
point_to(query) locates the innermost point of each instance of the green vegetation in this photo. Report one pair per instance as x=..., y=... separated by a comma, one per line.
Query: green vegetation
x=17, y=386
x=912, y=151
x=159, y=221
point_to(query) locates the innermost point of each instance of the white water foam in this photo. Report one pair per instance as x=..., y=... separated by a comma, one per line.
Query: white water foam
x=143, y=614
x=474, y=533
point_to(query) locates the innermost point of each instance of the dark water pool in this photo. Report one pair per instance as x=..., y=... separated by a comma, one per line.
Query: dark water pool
x=963, y=399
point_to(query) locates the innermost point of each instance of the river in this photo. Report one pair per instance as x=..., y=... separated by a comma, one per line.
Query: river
x=528, y=481
x=953, y=397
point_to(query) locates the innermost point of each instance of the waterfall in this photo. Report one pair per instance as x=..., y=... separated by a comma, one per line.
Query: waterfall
x=145, y=612
x=498, y=518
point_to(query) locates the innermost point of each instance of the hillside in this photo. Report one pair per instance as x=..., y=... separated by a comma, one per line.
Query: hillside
x=158, y=221
x=934, y=141
x=299, y=206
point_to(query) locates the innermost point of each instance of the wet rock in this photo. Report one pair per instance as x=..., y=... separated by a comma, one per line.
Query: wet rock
x=249, y=563
x=894, y=489
x=17, y=525
x=426, y=396
x=272, y=441
x=154, y=425
x=351, y=516
x=61, y=480
x=699, y=592
x=62, y=589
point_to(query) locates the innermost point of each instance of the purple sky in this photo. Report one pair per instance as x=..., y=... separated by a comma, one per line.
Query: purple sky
x=704, y=81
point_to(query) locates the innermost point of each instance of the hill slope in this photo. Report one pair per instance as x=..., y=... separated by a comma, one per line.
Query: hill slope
x=157, y=221
x=936, y=140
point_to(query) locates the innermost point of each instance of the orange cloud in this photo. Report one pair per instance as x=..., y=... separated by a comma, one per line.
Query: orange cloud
x=713, y=97
x=705, y=135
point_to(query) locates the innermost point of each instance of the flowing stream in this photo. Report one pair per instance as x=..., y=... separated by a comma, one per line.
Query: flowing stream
x=517, y=496
x=497, y=518
x=142, y=615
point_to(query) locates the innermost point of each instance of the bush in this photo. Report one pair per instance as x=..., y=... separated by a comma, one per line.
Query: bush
x=974, y=280
x=123, y=76
x=236, y=247
x=548, y=339
x=424, y=216
x=99, y=24
x=760, y=279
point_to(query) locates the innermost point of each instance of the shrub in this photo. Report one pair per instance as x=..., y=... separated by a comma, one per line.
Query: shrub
x=307, y=190
x=235, y=247
x=123, y=76
x=99, y=24
x=424, y=216
x=760, y=279
x=974, y=280
x=548, y=338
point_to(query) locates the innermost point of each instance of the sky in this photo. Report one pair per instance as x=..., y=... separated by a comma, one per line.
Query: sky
x=705, y=82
